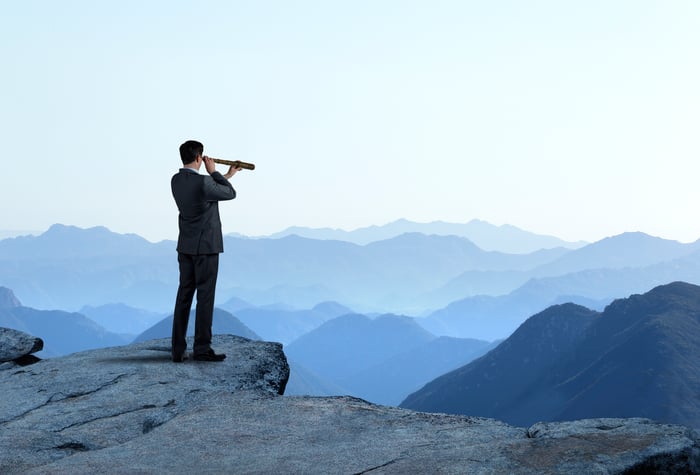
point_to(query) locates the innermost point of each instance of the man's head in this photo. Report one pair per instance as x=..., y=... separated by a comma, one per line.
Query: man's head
x=190, y=151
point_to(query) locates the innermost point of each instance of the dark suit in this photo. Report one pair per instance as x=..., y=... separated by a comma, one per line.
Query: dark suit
x=199, y=243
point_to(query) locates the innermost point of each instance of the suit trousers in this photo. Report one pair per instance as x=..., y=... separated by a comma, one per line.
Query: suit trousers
x=197, y=272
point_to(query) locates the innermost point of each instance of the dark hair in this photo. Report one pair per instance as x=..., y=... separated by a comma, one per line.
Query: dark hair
x=190, y=150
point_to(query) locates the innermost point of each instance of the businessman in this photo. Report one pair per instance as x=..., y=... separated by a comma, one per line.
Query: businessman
x=198, y=246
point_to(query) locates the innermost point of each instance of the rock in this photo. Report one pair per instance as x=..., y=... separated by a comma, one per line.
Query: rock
x=8, y=299
x=101, y=398
x=16, y=345
x=254, y=432
x=130, y=410
x=672, y=451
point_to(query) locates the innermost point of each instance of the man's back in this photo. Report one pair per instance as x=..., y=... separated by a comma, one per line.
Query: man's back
x=197, y=199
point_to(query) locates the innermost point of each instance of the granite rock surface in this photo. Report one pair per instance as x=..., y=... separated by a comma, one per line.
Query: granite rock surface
x=131, y=410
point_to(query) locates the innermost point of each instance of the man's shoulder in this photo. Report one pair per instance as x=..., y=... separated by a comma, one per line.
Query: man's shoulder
x=185, y=173
x=188, y=172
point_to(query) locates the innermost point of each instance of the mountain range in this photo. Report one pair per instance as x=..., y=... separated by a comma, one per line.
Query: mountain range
x=62, y=332
x=638, y=358
x=223, y=324
x=504, y=238
x=462, y=290
x=490, y=317
x=285, y=326
x=121, y=318
x=379, y=359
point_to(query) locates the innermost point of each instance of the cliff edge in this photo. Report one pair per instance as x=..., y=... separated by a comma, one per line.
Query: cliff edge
x=130, y=410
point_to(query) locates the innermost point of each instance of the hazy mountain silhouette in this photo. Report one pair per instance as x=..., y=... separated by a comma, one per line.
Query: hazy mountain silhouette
x=121, y=318
x=410, y=273
x=303, y=382
x=71, y=242
x=234, y=304
x=618, y=252
x=45, y=270
x=491, y=317
x=68, y=267
x=505, y=238
x=224, y=323
x=381, y=359
x=351, y=343
x=383, y=274
x=285, y=326
x=62, y=332
x=8, y=299
x=640, y=357
x=391, y=380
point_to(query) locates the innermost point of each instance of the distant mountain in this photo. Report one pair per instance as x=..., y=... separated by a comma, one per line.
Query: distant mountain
x=45, y=270
x=303, y=382
x=381, y=275
x=492, y=317
x=63, y=332
x=224, y=324
x=68, y=267
x=352, y=343
x=381, y=360
x=505, y=238
x=618, y=252
x=285, y=326
x=121, y=318
x=639, y=358
x=391, y=380
x=70, y=242
x=10, y=233
x=412, y=273
x=8, y=299
x=611, y=267
x=234, y=304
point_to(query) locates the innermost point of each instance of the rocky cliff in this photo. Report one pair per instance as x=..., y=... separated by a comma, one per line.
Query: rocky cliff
x=130, y=410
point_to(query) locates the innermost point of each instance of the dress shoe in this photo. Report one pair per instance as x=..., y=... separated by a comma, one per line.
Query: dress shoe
x=209, y=356
x=179, y=358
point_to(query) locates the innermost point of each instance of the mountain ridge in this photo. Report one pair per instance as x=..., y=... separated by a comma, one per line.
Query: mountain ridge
x=490, y=237
x=638, y=357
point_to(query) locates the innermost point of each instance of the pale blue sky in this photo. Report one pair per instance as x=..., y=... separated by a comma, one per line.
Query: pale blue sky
x=577, y=119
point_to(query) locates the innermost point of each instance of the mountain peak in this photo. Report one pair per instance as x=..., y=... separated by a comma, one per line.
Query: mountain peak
x=8, y=299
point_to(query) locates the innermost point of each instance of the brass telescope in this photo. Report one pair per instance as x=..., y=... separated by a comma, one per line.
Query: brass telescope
x=235, y=163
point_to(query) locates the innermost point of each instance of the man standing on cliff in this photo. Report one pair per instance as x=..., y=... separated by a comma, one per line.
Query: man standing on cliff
x=198, y=246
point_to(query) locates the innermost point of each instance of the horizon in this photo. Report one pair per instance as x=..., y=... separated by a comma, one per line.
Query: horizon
x=9, y=233
x=570, y=120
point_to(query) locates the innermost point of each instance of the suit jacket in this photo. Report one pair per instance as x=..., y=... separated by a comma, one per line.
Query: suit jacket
x=197, y=198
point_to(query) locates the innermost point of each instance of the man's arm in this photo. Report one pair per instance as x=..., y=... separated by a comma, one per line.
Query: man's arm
x=218, y=187
x=211, y=167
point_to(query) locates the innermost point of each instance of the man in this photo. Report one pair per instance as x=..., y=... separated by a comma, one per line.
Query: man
x=198, y=246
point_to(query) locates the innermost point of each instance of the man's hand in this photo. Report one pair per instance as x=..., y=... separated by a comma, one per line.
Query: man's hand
x=209, y=164
x=232, y=171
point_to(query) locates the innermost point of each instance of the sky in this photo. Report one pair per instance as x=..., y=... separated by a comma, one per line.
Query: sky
x=574, y=119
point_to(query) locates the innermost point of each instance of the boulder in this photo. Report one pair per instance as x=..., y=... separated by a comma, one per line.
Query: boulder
x=16, y=345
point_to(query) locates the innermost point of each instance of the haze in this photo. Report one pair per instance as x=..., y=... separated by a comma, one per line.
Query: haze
x=577, y=119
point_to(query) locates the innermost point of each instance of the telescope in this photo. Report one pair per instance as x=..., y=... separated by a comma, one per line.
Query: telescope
x=235, y=163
